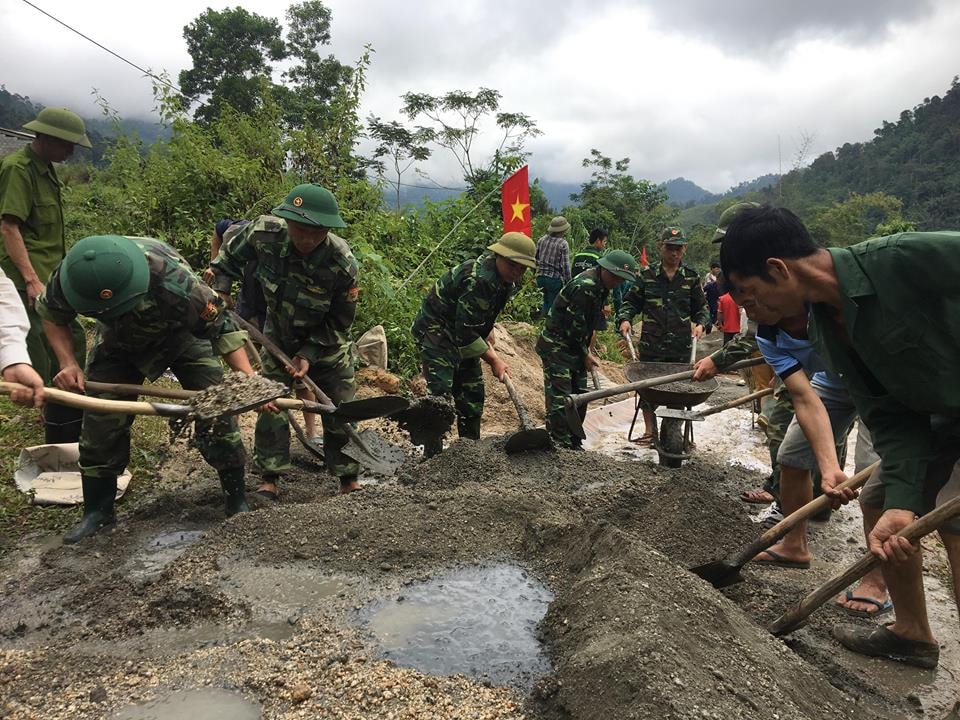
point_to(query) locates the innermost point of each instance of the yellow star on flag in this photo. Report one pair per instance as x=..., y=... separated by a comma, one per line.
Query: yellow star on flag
x=518, y=208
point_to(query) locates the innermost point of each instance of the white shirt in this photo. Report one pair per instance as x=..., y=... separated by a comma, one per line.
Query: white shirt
x=13, y=325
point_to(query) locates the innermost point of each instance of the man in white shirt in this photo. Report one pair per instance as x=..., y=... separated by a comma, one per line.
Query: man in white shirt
x=14, y=360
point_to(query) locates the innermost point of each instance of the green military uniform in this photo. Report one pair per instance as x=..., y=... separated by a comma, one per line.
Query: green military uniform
x=311, y=304
x=178, y=324
x=30, y=191
x=563, y=347
x=668, y=307
x=451, y=328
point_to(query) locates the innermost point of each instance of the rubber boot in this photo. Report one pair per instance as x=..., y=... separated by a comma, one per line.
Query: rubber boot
x=468, y=427
x=232, y=483
x=98, y=497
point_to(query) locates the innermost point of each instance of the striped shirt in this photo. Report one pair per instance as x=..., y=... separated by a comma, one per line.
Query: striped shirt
x=553, y=257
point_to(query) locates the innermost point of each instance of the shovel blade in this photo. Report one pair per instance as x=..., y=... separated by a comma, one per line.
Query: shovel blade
x=527, y=440
x=574, y=421
x=719, y=573
x=377, y=455
x=678, y=414
x=369, y=408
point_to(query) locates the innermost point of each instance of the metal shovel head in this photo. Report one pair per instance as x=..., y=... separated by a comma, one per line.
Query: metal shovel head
x=574, y=421
x=719, y=573
x=383, y=458
x=369, y=408
x=527, y=440
x=664, y=412
x=237, y=393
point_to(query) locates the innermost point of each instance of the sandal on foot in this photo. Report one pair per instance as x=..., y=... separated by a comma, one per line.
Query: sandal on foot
x=646, y=440
x=882, y=642
x=781, y=561
x=882, y=607
x=757, y=496
x=268, y=494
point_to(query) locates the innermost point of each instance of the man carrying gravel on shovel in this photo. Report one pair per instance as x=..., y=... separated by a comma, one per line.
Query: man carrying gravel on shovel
x=454, y=327
x=885, y=315
x=309, y=278
x=152, y=314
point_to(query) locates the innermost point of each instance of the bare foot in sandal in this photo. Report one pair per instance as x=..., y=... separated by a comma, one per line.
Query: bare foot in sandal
x=757, y=496
x=644, y=439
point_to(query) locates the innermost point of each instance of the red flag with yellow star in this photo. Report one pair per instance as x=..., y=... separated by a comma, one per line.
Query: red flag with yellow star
x=515, y=198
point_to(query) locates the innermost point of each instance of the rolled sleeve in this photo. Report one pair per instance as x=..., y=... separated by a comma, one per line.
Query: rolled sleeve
x=229, y=341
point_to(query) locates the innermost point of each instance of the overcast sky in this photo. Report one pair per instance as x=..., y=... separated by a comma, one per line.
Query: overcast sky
x=697, y=88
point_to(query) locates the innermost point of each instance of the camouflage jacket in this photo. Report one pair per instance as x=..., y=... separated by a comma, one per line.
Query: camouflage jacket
x=585, y=259
x=311, y=301
x=668, y=308
x=155, y=331
x=572, y=317
x=742, y=348
x=462, y=306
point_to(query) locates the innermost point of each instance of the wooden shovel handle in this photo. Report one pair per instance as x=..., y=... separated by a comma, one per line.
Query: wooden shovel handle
x=179, y=394
x=525, y=422
x=793, y=618
x=628, y=336
x=83, y=402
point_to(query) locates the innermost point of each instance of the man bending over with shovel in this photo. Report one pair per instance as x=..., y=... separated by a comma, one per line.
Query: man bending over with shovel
x=309, y=278
x=455, y=324
x=564, y=345
x=152, y=314
x=885, y=315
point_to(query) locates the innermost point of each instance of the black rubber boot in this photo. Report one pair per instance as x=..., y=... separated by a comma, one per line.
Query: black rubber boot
x=232, y=483
x=98, y=497
x=468, y=427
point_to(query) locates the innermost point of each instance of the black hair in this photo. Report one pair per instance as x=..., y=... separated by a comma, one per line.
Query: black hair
x=757, y=234
x=596, y=234
x=715, y=263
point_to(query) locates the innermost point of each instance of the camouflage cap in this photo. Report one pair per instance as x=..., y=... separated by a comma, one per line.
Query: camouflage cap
x=673, y=236
x=727, y=217
x=620, y=263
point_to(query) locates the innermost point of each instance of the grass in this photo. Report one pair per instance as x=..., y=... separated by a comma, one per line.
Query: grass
x=20, y=428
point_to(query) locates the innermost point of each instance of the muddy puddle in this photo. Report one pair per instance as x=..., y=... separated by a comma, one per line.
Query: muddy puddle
x=207, y=704
x=161, y=550
x=479, y=621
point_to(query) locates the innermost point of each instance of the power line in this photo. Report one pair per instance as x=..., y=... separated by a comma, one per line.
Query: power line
x=424, y=187
x=106, y=49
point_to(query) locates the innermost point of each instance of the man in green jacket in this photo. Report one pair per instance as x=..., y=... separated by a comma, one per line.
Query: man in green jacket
x=454, y=326
x=309, y=278
x=564, y=345
x=31, y=223
x=885, y=314
x=152, y=314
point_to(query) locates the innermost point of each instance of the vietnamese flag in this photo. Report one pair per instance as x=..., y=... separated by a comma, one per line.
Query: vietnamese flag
x=515, y=199
x=643, y=258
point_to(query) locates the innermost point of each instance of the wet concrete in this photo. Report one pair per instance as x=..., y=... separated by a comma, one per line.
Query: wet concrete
x=206, y=704
x=160, y=551
x=476, y=621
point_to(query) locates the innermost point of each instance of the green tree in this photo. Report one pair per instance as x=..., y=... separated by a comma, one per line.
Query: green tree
x=858, y=218
x=232, y=51
x=398, y=145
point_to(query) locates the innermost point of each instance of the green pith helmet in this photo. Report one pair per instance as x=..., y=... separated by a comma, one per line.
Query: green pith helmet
x=620, y=263
x=727, y=217
x=104, y=275
x=311, y=204
x=673, y=236
x=558, y=226
x=60, y=123
x=517, y=247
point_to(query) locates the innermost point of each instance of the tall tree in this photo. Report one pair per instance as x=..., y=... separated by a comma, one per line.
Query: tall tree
x=398, y=145
x=232, y=51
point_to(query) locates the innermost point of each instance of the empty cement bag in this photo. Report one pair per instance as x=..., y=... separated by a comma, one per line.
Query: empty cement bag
x=52, y=474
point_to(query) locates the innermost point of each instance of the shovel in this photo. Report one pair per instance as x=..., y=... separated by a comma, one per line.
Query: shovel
x=356, y=448
x=527, y=437
x=572, y=402
x=721, y=573
x=701, y=414
x=796, y=616
x=128, y=407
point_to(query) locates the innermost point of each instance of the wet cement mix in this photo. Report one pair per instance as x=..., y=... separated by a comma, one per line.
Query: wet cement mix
x=271, y=612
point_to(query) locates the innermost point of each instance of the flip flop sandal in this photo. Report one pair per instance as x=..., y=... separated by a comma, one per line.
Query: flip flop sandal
x=780, y=561
x=882, y=607
x=757, y=496
x=643, y=440
x=881, y=642
x=268, y=494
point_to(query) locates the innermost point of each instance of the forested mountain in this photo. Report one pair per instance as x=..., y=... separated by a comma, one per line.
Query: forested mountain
x=682, y=192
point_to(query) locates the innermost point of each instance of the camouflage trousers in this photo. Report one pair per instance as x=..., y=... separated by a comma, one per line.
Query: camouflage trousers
x=449, y=374
x=61, y=423
x=271, y=449
x=776, y=414
x=105, y=440
x=563, y=374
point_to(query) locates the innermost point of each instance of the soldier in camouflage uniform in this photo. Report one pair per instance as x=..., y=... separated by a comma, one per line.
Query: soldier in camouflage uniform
x=309, y=278
x=670, y=298
x=152, y=314
x=564, y=345
x=455, y=324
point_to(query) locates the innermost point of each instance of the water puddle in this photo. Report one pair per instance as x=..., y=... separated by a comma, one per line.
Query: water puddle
x=160, y=551
x=476, y=621
x=208, y=704
x=282, y=590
